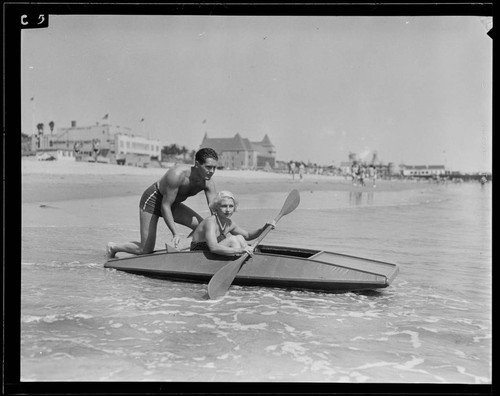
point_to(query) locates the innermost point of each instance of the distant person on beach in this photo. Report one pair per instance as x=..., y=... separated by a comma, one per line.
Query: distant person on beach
x=361, y=175
x=301, y=171
x=95, y=147
x=164, y=199
x=483, y=180
x=219, y=234
x=372, y=174
x=291, y=169
x=354, y=173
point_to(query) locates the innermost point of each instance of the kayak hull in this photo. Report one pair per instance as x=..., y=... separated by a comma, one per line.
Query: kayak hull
x=270, y=266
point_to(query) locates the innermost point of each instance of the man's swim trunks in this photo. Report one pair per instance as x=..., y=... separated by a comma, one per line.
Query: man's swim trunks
x=151, y=200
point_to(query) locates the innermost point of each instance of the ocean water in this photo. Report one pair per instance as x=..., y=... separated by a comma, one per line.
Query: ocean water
x=82, y=322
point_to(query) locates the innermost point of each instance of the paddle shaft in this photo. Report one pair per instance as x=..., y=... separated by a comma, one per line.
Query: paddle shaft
x=222, y=279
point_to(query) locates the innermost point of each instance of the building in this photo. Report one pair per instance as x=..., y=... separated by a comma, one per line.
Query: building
x=427, y=171
x=240, y=153
x=104, y=143
x=345, y=168
x=136, y=150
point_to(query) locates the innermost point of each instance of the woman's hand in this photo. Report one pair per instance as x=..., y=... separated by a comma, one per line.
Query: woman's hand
x=249, y=250
x=271, y=223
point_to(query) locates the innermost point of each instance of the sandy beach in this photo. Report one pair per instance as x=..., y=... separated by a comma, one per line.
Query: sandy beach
x=48, y=181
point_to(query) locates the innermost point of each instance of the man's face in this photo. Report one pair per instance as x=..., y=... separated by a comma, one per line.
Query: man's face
x=207, y=169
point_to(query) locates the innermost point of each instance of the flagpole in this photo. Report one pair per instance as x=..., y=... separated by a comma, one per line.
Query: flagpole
x=143, y=122
x=33, y=116
x=33, y=135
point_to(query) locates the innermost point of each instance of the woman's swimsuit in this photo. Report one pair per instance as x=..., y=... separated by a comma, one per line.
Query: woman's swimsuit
x=203, y=245
x=151, y=200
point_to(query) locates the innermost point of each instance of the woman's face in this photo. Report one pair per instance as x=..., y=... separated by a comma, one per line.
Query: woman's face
x=225, y=207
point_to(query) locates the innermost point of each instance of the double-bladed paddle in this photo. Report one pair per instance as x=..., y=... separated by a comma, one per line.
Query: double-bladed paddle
x=222, y=279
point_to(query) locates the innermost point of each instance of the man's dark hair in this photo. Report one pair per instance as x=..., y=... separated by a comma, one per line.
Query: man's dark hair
x=204, y=153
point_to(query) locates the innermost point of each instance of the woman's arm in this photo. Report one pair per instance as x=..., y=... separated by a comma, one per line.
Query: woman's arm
x=210, y=235
x=249, y=236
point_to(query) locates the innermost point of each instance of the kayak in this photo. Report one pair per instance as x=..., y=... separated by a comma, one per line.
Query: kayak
x=270, y=266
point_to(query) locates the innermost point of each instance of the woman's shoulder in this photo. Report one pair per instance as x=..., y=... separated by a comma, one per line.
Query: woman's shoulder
x=210, y=220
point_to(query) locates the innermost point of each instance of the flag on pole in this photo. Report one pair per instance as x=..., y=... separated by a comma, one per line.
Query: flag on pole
x=105, y=117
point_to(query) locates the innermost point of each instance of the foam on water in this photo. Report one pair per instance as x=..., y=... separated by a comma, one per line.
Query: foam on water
x=83, y=322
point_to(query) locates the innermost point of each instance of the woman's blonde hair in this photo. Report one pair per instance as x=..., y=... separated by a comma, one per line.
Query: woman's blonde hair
x=220, y=196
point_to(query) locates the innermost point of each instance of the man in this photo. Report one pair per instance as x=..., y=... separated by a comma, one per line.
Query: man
x=164, y=199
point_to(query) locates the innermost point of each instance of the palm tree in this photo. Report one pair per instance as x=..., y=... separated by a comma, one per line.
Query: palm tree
x=40, y=128
x=51, y=125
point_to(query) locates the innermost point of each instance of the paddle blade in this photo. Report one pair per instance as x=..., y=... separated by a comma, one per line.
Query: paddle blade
x=291, y=203
x=222, y=279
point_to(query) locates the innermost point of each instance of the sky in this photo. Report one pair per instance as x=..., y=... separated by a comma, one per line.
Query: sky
x=416, y=90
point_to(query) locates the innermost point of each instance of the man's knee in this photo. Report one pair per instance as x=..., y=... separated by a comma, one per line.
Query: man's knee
x=147, y=248
x=146, y=251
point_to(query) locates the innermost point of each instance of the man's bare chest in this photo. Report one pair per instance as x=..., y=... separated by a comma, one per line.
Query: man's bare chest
x=189, y=189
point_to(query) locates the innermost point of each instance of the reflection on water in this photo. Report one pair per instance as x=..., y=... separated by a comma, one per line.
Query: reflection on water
x=357, y=197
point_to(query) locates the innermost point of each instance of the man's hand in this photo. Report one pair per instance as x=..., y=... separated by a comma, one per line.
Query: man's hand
x=176, y=240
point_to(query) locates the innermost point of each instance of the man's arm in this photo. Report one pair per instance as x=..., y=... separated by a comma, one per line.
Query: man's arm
x=210, y=191
x=173, y=181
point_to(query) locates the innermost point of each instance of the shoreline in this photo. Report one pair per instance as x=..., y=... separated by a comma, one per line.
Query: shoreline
x=50, y=181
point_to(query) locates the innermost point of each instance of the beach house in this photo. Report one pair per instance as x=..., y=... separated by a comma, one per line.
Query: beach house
x=425, y=171
x=240, y=153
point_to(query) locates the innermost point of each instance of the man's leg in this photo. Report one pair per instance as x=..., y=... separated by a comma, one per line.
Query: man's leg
x=148, y=223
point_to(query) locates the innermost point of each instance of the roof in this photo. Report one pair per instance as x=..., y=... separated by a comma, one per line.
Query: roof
x=266, y=141
x=236, y=143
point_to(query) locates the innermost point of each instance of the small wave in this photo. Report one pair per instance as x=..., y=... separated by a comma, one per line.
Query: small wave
x=477, y=379
x=414, y=337
x=70, y=264
x=53, y=318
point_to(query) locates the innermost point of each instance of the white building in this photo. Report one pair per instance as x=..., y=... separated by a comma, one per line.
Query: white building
x=135, y=150
x=107, y=143
x=424, y=170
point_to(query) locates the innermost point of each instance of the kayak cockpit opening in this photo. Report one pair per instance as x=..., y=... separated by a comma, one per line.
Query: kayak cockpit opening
x=286, y=251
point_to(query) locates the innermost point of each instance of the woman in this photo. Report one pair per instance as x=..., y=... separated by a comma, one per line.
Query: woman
x=219, y=234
